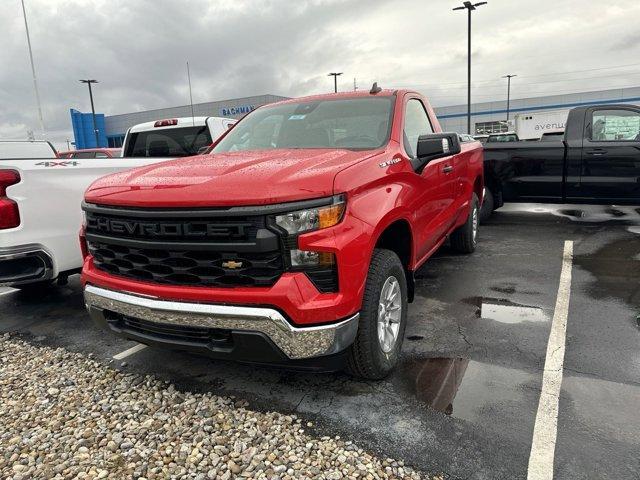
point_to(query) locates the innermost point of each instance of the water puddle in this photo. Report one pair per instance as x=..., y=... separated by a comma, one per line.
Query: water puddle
x=599, y=214
x=505, y=311
x=616, y=268
x=583, y=213
x=615, y=212
x=462, y=387
x=437, y=381
x=569, y=212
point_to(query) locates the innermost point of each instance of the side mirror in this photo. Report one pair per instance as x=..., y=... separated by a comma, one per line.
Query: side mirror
x=434, y=146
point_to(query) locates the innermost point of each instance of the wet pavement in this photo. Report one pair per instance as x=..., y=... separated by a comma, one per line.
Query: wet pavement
x=464, y=398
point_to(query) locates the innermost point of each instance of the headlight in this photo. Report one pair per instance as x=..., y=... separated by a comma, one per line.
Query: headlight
x=312, y=218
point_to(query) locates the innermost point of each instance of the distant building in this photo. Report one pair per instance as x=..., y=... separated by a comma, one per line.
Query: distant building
x=490, y=117
x=83, y=130
x=117, y=125
x=486, y=117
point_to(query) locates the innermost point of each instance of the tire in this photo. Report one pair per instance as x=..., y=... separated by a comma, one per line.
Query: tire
x=369, y=357
x=465, y=237
x=488, y=206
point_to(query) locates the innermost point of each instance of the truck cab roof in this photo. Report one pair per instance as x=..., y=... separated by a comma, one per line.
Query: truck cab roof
x=177, y=123
x=174, y=137
x=385, y=92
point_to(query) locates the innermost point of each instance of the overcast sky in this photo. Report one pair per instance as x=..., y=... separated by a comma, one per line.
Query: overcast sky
x=137, y=49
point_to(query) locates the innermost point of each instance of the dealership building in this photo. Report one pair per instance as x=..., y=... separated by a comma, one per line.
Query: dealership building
x=486, y=117
x=115, y=126
x=490, y=117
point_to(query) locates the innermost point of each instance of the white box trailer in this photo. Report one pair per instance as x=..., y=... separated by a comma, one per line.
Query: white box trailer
x=531, y=126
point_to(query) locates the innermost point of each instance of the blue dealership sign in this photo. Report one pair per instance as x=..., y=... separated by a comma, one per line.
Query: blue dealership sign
x=237, y=110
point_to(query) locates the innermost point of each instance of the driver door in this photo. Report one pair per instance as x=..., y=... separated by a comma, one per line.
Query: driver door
x=611, y=156
x=435, y=183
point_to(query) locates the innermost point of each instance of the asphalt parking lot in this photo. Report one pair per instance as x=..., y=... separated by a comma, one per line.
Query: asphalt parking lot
x=465, y=398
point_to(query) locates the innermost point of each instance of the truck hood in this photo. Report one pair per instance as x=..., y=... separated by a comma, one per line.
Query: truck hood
x=237, y=178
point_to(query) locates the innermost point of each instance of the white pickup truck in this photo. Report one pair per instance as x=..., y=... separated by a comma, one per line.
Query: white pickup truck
x=40, y=214
x=41, y=194
x=174, y=137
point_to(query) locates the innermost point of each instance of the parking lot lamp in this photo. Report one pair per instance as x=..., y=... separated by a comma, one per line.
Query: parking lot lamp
x=508, y=77
x=33, y=72
x=469, y=7
x=335, y=76
x=93, y=110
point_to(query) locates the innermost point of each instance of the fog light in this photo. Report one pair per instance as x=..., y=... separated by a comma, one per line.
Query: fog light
x=304, y=258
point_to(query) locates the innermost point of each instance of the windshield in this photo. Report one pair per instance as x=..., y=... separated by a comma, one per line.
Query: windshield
x=353, y=123
x=168, y=142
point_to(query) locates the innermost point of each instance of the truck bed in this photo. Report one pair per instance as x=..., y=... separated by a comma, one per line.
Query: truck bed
x=525, y=171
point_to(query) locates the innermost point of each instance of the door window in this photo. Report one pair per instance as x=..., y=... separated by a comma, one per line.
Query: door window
x=615, y=126
x=416, y=123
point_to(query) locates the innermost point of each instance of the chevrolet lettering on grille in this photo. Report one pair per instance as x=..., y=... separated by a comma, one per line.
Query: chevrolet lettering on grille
x=166, y=229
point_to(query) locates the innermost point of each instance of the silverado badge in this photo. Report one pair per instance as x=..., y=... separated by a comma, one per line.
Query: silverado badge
x=231, y=264
x=388, y=163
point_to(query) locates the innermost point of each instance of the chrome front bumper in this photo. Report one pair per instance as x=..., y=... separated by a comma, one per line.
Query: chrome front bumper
x=295, y=342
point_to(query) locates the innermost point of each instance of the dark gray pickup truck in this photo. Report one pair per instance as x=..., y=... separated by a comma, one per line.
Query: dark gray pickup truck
x=598, y=161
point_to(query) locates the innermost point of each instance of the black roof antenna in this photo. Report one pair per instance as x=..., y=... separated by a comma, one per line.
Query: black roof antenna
x=375, y=89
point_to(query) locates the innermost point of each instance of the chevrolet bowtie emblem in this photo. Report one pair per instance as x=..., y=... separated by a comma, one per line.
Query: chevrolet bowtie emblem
x=231, y=264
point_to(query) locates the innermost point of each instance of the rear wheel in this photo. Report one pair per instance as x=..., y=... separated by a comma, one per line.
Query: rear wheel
x=465, y=237
x=488, y=205
x=383, y=318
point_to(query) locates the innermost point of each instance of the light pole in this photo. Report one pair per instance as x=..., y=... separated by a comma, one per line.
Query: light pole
x=93, y=110
x=193, y=121
x=469, y=7
x=508, y=77
x=33, y=72
x=335, y=76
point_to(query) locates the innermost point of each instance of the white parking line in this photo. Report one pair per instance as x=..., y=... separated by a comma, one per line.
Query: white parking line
x=545, y=430
x=129, y=352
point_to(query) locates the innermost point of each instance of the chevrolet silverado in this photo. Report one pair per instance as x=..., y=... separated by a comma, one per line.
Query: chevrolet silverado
x=293, y=242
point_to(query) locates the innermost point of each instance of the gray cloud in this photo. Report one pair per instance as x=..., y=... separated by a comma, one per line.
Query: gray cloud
x=138, y=49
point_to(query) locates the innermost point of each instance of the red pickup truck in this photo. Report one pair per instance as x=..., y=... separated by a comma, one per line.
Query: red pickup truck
x=294, y=242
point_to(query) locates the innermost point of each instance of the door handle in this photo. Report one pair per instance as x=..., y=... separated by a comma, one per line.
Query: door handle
x=596, y=151
x=447, y=169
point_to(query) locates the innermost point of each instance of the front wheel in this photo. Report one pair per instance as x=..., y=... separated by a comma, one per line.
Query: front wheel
x=383, y=318
x=465, y=237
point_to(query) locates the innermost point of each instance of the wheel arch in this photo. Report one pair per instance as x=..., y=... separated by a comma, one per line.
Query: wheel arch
x=478, y=188
x=397, y=236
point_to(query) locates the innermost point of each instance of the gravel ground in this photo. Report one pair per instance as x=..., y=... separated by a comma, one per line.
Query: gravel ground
x=63, y=415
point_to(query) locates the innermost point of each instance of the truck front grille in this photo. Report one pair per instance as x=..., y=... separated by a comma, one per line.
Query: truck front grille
x=183, y=267
x=190, y=248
